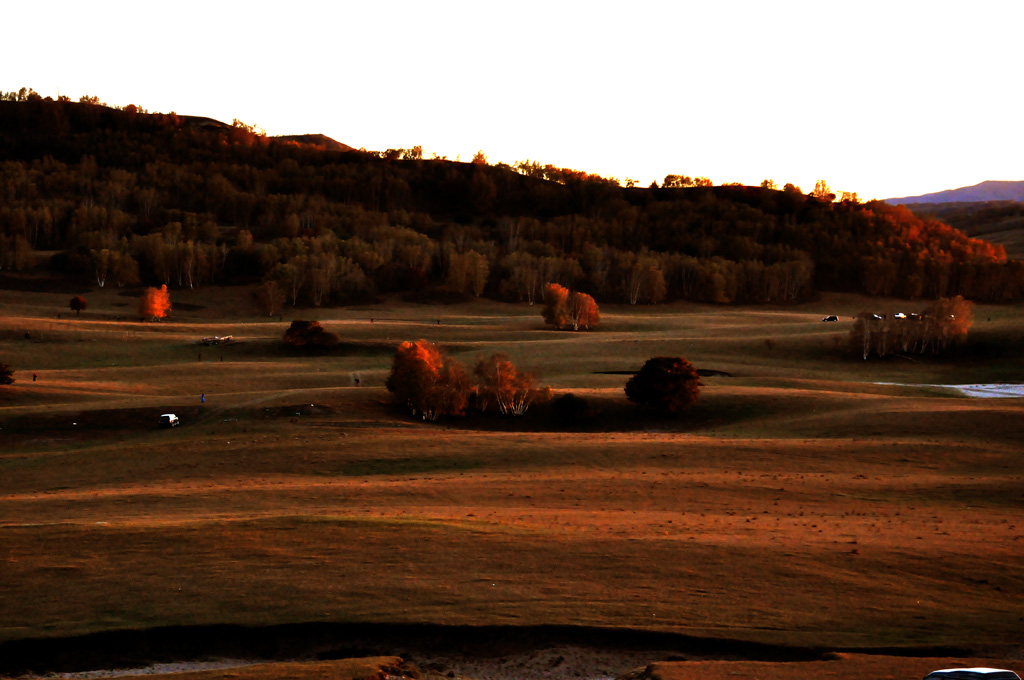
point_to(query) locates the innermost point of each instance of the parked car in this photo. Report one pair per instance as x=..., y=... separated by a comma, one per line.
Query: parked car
x=169, y=420
x=832, y=317
x=972, y=674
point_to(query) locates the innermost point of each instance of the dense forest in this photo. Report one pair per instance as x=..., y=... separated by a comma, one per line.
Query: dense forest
x=124, y=197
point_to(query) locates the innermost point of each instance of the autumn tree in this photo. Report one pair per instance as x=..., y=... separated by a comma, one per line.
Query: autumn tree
x=310, y=335
x=467, y=272
x=582, y=311
x=822, y=192
x=124, y=269
x=677, y=181
x=953, y=318
x=555, y=311
x=271, y=297
x=566, y=309
x=665, y=384
x=523, y=279
x=155, y=303
x=428, y=381
x=504, y=388
x=78, y=304
x=6, y=374
x=101, y=265
x=413, y=154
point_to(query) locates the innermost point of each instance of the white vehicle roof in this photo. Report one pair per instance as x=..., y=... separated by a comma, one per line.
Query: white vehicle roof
x=977, y=673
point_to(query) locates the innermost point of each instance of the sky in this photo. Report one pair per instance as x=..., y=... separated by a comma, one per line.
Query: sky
x=886, y=99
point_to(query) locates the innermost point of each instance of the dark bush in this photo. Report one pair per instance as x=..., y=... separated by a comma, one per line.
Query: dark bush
x=665, y=384
x=310, y=335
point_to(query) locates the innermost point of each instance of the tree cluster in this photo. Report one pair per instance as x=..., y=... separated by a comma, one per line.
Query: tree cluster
x=136, y=198
x=565, y=309
x=431, y=384
x=940, y=325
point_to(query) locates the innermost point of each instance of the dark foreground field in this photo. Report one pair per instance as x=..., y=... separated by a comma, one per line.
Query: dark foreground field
x=811, y=502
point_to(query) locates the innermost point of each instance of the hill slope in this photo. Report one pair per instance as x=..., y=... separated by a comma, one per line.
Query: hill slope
x=188, y=201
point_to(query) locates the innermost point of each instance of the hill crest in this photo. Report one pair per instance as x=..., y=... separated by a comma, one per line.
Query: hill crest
x=318, y=140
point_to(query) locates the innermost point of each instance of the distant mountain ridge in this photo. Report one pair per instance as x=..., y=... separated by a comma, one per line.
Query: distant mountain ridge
x=991, y=190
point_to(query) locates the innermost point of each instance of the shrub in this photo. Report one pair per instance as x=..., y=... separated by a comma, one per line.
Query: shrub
x=310, y=335
x=665, y=384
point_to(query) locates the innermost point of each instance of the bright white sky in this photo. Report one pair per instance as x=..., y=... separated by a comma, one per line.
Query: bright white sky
x=886, y=98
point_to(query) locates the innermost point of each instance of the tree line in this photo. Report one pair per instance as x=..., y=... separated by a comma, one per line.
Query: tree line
x=940, y=326
x=135, y=198
x=431, y=383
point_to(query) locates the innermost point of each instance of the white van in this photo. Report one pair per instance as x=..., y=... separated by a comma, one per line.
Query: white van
x=169, y=420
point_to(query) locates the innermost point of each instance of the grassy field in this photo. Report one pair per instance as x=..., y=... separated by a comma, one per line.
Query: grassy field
x=809, y=499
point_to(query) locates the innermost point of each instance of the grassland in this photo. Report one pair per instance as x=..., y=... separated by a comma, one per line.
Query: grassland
x=810, y=499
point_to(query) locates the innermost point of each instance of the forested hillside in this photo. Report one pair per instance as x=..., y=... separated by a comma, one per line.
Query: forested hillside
x=1000, y=222
x=129, y=197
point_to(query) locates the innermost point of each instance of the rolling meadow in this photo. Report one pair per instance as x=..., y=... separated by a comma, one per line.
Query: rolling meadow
x=810, y=501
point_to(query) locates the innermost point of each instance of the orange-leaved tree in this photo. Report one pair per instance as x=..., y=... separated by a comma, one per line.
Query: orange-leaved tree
x=568, y=309
x=554, y=311
x=583, y=312
x=78, y=303
x=665, y=384
x=429, y=382
x=506, y=389
x=155, y=303
x=953, y=318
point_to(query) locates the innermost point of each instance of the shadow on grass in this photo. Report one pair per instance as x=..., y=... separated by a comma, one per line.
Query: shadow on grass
x=568, y=413
x=133, y=648
x=277, y=349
